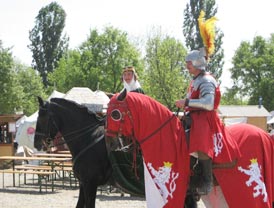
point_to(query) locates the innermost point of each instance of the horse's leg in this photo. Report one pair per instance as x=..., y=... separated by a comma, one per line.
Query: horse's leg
x=81, y=198
x=90, y=190
x=215, y=199
x=190, y=201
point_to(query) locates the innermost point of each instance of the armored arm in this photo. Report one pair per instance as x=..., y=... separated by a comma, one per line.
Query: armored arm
x=207, y=86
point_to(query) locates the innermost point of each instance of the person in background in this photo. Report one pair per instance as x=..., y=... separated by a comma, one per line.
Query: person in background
x=130, y=80
x=208, y=139
x=120, y=162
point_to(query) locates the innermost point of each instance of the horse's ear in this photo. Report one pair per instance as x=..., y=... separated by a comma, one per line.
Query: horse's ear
x=122, y=95
x=41, y=102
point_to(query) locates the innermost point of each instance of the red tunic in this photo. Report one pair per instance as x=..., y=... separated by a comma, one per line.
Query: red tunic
x=207, y=132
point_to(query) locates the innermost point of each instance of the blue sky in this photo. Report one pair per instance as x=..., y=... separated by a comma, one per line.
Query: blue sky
x=239, y=20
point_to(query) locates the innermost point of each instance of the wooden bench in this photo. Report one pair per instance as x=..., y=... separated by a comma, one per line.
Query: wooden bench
x=32, y=167
x=59, y=170
x=42, y=174
x=38, y=167
x=66, y=168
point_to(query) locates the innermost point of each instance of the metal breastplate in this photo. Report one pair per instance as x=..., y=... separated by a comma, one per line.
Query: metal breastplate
x=202, y=92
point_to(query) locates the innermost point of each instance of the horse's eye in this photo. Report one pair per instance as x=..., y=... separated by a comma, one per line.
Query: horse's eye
x=116, y=115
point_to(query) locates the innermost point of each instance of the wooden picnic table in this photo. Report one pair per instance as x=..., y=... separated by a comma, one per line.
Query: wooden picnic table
x=52, y=161
x=42, y=154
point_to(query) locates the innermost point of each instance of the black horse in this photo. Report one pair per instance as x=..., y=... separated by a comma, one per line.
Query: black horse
x=83, y=132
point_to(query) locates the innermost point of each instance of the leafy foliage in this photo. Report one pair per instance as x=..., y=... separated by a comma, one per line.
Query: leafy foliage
x=193, y=37
x=68, y=74
x=231, y=97
x=32, y=87
x=164, y=80
x=253, y=71
x=98, y=61
x=47, y=45
x=11, y=91
x=19, y=85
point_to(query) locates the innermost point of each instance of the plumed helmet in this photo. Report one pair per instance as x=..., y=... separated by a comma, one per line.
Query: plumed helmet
x=197, y=57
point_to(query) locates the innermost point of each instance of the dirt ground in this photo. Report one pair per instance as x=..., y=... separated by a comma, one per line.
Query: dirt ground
x=64, y=196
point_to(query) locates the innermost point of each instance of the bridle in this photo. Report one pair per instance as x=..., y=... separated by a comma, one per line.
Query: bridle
x=117, y=115
x=48, y=140
x=74, y=134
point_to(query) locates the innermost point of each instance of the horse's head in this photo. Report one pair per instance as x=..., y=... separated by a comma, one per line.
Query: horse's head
x=119, y=121
x=46, y=128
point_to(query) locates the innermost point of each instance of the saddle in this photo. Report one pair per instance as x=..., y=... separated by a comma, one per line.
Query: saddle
x=186, y=123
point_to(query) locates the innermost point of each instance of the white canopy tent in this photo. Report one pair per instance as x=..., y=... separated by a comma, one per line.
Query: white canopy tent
x=96, y=101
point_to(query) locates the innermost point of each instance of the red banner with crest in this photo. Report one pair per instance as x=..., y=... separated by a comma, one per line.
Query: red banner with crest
x=250, y=184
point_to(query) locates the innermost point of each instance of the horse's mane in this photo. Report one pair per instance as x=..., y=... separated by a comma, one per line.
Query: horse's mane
x=73, y=105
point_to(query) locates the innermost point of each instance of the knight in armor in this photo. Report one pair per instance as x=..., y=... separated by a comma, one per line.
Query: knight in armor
x=130, y=80
x=202, y=99
x=208, y=140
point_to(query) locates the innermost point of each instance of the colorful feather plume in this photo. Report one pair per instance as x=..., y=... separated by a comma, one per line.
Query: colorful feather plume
x=207, y=31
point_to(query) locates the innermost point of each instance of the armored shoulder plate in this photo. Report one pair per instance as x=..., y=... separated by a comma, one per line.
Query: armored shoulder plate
x=206, y=78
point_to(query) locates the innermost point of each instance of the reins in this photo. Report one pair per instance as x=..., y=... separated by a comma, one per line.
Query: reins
x=153, y=133
x=95, y=141
x=128, y=113
x=76, y=134
x=89, y=129
x=80, y=130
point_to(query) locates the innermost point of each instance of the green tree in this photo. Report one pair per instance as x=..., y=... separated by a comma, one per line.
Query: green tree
x=253, y=70
x=192, y=34
x=231, y=97
x=105, y=55
x=47, y=43
x=32, y=87
x=164, y=79
x=11, y=90
x=69, y=72
x=98, y=62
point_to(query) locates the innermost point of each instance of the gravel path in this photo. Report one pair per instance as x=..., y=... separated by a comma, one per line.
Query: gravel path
x=28, y=196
